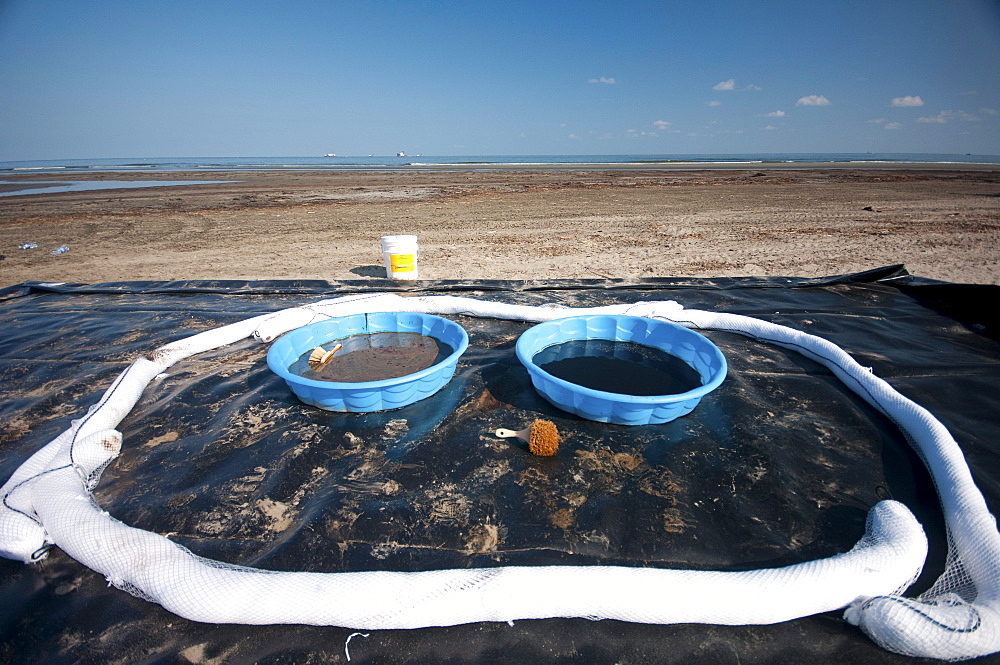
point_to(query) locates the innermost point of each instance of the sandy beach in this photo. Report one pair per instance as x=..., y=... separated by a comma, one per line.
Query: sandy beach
x=941, y=222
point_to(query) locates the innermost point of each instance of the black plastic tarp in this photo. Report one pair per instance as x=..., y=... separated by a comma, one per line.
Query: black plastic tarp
x=779, y=465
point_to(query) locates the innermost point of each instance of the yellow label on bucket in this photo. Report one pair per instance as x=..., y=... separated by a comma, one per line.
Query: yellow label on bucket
x=402, y=262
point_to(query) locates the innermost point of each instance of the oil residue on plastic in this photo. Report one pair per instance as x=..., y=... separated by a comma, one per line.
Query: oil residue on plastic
x=375, y=357
x=626, y=368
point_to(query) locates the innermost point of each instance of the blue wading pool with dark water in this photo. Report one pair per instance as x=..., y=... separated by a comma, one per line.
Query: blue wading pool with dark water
x=700, y=359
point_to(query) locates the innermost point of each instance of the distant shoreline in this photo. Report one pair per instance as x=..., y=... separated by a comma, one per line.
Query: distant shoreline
x=20, y=183
x=523, y=166
x=487, y=163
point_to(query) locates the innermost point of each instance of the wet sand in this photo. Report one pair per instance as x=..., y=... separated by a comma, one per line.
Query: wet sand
x=942, y=222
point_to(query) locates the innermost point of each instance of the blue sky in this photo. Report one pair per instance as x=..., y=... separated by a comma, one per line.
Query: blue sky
x=137, y=78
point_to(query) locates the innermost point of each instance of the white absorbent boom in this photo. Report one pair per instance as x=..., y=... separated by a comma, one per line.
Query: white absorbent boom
x=48, y=501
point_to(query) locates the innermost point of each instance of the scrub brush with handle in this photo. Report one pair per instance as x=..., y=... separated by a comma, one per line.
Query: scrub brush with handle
x=542, y=437
x=321, y=357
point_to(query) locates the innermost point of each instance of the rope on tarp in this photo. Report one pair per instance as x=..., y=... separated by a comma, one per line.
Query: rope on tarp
x=48, y=502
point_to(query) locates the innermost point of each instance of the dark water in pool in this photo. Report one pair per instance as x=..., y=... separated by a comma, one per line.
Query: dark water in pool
x=375, y=357
x=626, y=368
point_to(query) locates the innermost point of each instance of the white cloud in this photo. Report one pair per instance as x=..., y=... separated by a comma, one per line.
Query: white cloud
x=989, y=111
x=813, y=100
x=909, y=100
x=947, y=116
x=770, y=128
x=886, y=124
x=572, y=136
x=604, y=79
x=753, y=87
x=661, y=124
x=775, y=114
x=714, y=103
x=725, y=85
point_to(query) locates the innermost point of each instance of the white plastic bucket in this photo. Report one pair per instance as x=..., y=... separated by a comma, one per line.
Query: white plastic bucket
x=400, y=254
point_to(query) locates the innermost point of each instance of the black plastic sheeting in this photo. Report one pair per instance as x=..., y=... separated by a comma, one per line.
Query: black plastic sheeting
x=779, y=465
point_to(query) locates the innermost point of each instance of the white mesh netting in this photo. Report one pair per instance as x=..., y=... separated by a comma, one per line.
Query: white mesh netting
x=48, y=501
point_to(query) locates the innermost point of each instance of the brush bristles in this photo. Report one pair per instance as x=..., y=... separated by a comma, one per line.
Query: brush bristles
x=320, y=356
x=543, y=440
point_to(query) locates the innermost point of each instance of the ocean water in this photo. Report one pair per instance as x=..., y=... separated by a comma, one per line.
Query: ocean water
x=46, y=187
x=475, y=162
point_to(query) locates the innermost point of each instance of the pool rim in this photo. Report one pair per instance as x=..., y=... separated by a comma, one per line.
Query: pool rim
x=694, y=393
x=284, y=373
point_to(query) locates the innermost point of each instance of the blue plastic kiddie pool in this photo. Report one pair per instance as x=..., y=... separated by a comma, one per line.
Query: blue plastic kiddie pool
x=613, y=407
x=368, y=396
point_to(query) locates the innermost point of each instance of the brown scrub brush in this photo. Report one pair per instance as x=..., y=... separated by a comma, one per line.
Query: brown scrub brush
x=320, y=356
x=542, y=437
